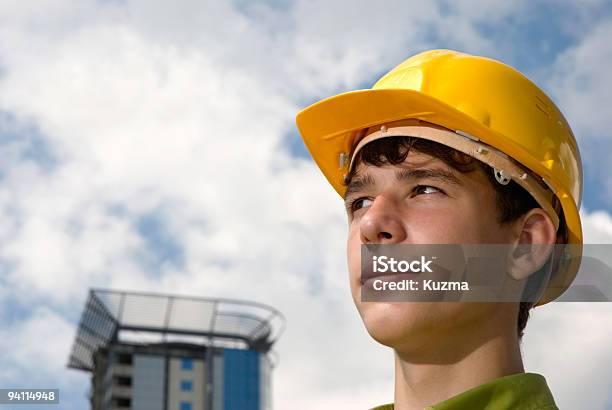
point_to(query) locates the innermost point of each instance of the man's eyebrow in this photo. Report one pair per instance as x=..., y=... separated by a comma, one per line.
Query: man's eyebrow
x=365, y=181
x=358, y=184
x=442, y=175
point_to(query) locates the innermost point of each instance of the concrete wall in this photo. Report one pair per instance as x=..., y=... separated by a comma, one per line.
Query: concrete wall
x=197, y=376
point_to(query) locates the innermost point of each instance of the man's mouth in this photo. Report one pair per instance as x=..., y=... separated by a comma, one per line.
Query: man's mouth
x=368, y=277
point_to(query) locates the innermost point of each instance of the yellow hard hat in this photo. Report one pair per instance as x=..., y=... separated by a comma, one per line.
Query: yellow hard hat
x=476, y=97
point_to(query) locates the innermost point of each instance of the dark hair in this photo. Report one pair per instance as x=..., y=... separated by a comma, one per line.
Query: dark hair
x=513, y=200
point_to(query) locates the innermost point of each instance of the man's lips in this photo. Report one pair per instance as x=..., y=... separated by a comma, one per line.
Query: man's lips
x=368, y=277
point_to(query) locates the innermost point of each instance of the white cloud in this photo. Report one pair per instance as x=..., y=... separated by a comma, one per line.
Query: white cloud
x=596, y=226
x=177, y=111
x=138, y=127
x=580, y=81
x=569, y=342
x=36, y=348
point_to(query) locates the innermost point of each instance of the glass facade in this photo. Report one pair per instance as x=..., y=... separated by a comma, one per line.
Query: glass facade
x=241, y=379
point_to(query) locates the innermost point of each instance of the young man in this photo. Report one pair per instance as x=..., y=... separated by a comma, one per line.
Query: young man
x=449, y=148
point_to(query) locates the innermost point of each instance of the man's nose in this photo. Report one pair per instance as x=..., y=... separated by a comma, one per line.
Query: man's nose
x=382, y=223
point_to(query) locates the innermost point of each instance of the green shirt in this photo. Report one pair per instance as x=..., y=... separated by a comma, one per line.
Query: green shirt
x=523, y=391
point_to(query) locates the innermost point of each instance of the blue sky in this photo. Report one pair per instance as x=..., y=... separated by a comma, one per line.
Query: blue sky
x=151, y=146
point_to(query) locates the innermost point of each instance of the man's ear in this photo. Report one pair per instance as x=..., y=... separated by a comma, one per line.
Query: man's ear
x=534, y=237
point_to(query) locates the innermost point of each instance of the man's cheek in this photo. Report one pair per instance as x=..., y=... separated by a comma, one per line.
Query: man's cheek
x=352, y=251
x=354, y=268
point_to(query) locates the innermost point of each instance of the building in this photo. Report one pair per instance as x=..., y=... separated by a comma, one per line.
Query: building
x=161, y=352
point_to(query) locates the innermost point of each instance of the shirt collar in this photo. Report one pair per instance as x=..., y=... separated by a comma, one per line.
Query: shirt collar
x=523, y=391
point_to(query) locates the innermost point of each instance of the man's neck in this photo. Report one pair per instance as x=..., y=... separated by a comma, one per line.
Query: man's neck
x=421, y=381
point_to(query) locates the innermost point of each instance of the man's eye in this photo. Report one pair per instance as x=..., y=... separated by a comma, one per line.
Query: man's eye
x=359, y=203
x=426, y=189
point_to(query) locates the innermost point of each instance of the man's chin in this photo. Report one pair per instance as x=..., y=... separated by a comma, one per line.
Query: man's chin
x=396, y=323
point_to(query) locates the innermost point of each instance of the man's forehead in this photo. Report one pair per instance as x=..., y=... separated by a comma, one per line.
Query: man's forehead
x=414, y=161
x=372, y=173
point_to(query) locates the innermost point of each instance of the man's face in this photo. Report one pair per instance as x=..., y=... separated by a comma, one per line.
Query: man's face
x=422, y=201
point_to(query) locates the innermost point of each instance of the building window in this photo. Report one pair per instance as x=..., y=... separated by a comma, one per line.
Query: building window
x=122, y=402
x=186, y=385
x=123, y=358
x=186, y=363
x=185, y=405
x=123, y=381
